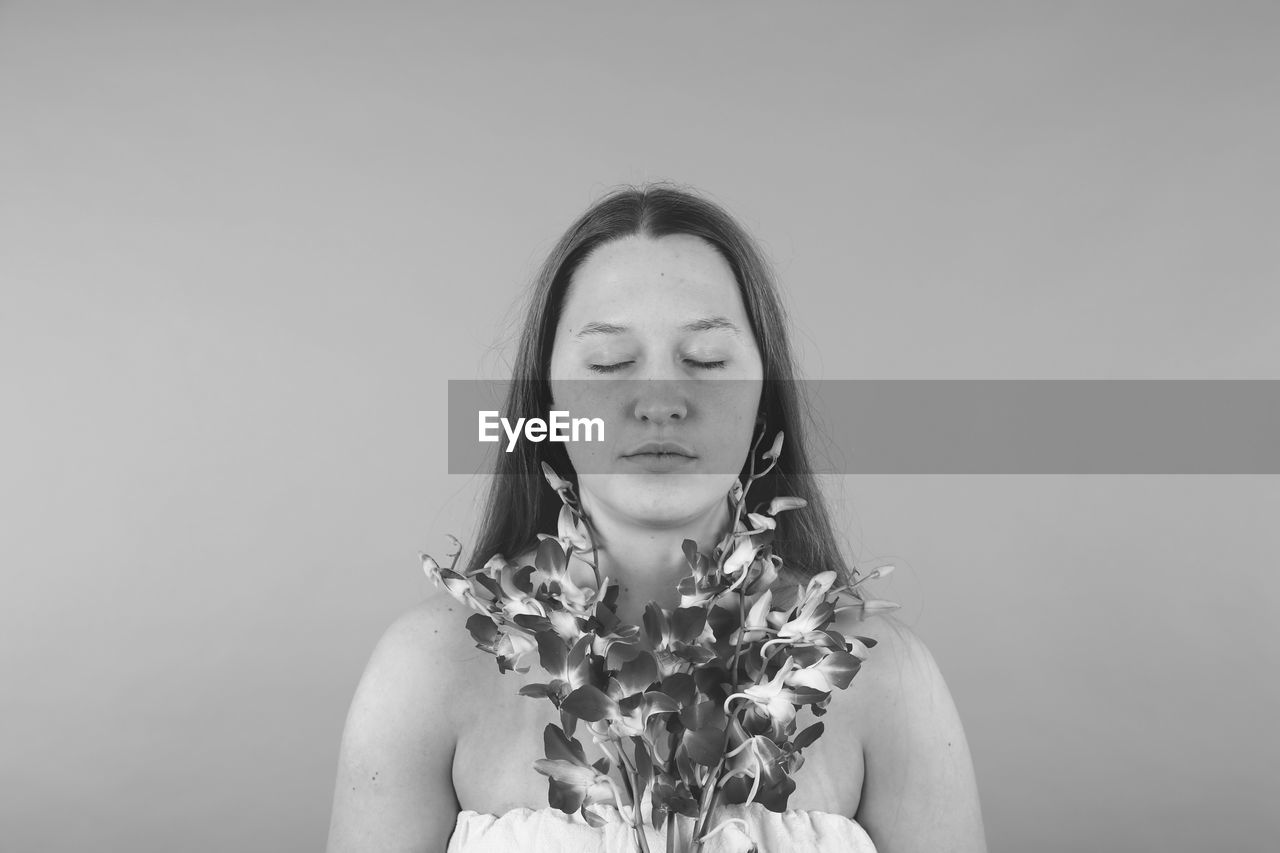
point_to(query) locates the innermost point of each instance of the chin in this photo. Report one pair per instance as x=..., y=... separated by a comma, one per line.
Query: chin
x=670, y=507
x=659, y=500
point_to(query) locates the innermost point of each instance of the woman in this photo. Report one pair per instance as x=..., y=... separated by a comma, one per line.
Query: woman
x=649, y=284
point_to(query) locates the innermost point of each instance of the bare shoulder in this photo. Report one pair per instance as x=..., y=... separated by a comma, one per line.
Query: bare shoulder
x=394, y=788
x=896, y=678
x=899, y=662
x=421, y=649
x=434, y=630
x=919, y=789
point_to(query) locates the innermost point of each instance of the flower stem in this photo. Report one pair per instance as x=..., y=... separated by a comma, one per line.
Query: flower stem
x=595, y=558
x=737, y=649
x=637, y=822
x=712, y=792
x=709, y=795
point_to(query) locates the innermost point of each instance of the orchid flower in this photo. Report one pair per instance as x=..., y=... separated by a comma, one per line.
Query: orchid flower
x=834, y=670
x=806, y=627
x=518, y=596
x=742, y=555
x=558, y=483
x=626, y=636
x=574, y=784
x=565, y=624
x=761, y=575
x=552, y=563
x=454, y=584
x=776, y=699
x=702, y=585
x=756, y=624
x=772, y=697
x=700, y=592
x=511, y=645
x=569, y=668
x=571, y=534
x=614, y=719
x=680, y=639
x=760, y=758
x=623, y=711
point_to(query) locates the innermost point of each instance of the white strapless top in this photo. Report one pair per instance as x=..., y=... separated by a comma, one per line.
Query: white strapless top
x=549, y=830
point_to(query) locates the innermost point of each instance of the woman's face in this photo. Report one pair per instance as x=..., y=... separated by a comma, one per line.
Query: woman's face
x=650, y=332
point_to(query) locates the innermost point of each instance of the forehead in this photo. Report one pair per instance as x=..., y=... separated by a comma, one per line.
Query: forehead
x=653, y=277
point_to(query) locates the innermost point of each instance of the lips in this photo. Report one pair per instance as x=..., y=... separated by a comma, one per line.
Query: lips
x=660, y=448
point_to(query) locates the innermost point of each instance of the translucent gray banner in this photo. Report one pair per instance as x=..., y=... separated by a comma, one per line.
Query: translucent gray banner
x=884, y=426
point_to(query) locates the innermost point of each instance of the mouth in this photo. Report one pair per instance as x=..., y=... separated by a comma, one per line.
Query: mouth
x=660, y=449
x=659, y=454
x=658, y=462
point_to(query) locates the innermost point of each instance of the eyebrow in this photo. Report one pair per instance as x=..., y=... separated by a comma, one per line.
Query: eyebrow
x=702, y=324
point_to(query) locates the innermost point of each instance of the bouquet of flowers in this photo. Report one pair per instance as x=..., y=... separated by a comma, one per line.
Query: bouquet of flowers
x=698, y=708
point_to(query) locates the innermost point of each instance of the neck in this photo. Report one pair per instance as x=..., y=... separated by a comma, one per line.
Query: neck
x=647, y=563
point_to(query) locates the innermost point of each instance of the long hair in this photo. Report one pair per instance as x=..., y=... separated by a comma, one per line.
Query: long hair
x=520, y=502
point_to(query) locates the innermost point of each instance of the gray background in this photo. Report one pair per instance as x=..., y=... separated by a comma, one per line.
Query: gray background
x=243, y=246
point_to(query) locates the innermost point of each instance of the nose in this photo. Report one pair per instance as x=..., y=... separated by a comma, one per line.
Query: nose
x=661, y=401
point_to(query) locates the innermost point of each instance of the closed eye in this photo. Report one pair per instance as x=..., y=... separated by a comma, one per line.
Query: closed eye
x=608, y=368
x=613, y=368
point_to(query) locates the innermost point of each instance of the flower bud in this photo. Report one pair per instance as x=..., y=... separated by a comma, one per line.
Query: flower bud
x=493, y=568
x=741, y=556
x=557, y=482
x=778, y=505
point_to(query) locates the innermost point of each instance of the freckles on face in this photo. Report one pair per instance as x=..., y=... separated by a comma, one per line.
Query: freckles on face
x=642, y=307
x=668, y=309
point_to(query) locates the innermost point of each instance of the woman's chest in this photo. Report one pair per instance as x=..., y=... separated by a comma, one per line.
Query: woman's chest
x=502, y=736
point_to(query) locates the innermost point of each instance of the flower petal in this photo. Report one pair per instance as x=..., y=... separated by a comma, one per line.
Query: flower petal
x=778, y=505
x=590, y=703
x=741, y=556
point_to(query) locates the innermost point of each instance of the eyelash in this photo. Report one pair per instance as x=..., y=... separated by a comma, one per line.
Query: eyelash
x=613, y=368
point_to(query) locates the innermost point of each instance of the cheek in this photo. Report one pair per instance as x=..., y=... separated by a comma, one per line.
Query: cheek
x=738, y=426
x=588, y=457
x=735, y=408
x=590, y=398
